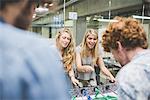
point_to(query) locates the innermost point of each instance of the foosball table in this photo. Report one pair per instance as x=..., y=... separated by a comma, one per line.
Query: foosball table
x=100, y=92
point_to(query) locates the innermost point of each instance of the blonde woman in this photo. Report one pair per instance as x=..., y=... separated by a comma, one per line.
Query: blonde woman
x=87, y=56
x=65, y=46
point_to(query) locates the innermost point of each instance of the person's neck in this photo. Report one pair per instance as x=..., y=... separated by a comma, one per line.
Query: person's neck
x=89, y=52
x=134, y=52
x=8, y=17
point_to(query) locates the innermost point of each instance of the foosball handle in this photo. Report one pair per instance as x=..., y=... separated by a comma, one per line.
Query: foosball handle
x=74, y=98
x=97, y=91
x=89, y=98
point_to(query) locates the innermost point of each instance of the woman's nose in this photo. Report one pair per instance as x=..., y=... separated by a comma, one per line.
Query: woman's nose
x=92, y=40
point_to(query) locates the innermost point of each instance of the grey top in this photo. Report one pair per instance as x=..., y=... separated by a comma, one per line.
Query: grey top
x=134, y=78
x=85, y=61
x=29, y=69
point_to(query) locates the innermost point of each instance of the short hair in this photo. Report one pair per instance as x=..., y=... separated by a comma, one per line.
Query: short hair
x=128, y=31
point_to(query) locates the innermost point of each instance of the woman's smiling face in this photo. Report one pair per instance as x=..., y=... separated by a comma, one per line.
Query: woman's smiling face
x=91, y=41
x=64, y=40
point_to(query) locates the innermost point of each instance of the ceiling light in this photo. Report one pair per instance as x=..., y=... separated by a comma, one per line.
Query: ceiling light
x=107, y=20
x=34, y=15
x=41, y=10
x=51, y=4
x=95, y=18
x=140, y=17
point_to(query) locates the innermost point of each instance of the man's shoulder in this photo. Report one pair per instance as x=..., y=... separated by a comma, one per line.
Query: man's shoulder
x=142, y=57
x=133, y=77
x=23, y=42
x=133, y=72
x=21, y=39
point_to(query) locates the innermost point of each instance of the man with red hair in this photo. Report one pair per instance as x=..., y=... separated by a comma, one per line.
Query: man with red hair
x=127, y=41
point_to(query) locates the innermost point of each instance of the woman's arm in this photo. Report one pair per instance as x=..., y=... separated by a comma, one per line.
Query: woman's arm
x=104, y=69
x=72, y=77
x=80, y=68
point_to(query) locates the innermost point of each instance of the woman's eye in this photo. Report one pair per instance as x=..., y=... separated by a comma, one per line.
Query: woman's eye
x=64, y=37
x=90, y=38
x=68, y=39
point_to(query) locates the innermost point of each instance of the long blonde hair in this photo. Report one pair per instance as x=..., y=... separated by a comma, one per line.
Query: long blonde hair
x=68, y=53
x=84, y=48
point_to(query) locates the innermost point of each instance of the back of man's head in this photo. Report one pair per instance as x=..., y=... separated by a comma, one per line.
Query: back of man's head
x=22, y=11
x=128, y=31
x=4, y=3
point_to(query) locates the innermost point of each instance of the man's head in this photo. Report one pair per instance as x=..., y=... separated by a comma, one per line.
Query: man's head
x=17, y=12
x=123, y=36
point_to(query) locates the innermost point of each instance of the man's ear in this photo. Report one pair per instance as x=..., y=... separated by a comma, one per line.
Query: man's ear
x=120, y=48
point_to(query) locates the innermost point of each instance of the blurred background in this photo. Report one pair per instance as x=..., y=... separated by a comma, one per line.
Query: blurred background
x=80, y=15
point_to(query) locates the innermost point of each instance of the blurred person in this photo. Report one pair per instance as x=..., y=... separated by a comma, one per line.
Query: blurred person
x=65, y=46
x=126, y=40
x=29, y=69
x=87, y=56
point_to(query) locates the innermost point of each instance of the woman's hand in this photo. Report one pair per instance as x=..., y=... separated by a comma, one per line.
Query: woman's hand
x=88, y=69
x=112, y=79
x=74, y=81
